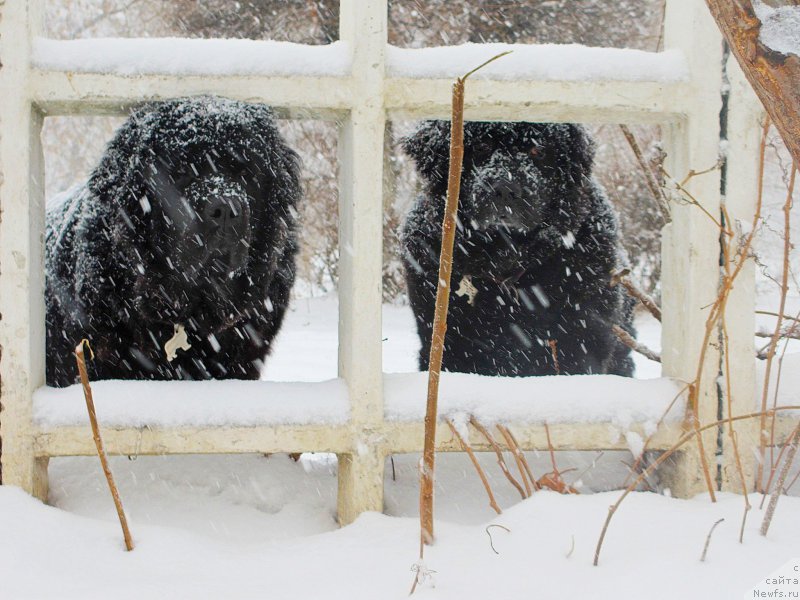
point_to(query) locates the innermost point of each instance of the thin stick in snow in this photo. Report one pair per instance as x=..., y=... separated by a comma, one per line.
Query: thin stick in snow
x=500, y=460
x=465, y=445
x=787, y=464
x=489, y=533
x=729, y=399
x=550, y=448
x=773, y=345
x=792, y=482
x=98, y=441
x=553, y=481
x=787, y=443
x=440, y=309
x=708, y=540
x=519, y=455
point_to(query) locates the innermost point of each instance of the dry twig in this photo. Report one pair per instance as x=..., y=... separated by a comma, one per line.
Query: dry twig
x=708, y=540
x=491, y=542
x=718, y=308
x=726, y=252
x=689, y=198
x=655, y=187
x=773, y=345
x=571, y=548
x=622, y=276
x=779, y=489
x=774, y=314
x=98, y=441
x=519, y=456
x=634, y=344
x=553, y=480
x=442, y=301
x=787, y=443
x=792, y=482
x=637, y=463
x=500, y=460
x=466, y=447
x=692, y=173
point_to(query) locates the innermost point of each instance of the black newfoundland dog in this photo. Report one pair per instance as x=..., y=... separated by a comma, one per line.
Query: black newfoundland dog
x=177, y=256
x=535, y=248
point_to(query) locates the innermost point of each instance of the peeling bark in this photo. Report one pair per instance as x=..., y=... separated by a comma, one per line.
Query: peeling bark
x=775, y=77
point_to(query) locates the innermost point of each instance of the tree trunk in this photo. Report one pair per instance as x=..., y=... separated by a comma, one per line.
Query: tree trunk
x=773, y=75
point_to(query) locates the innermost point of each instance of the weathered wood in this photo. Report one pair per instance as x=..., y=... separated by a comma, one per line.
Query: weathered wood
x=400, y=437
x=21, y=248
x=364, y=26
x=690, y=243
x=741, y=192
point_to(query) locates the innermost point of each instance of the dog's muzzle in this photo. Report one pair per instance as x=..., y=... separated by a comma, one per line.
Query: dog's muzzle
x=212, y=227
x=508, y=192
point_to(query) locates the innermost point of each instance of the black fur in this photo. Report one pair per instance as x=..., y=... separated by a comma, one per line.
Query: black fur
x=188, y=219
x=537, y=238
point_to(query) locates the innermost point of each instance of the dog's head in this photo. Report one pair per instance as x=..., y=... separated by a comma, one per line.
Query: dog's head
x=198, y=199
x=517, y=177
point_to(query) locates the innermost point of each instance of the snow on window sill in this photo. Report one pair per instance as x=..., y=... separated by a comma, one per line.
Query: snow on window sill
x=178, y=56
x=560, y=62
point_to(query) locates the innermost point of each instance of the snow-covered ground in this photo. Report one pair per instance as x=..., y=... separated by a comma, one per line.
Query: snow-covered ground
x=652, y=549
x=253, y=526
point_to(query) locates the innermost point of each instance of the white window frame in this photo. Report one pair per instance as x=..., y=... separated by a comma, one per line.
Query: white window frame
x=364, y=100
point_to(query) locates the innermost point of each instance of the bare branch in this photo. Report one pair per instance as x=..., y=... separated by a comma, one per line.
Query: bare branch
x=633, y=344
x=500, y=460
x=655, y=188
x=466, y=447
x=708, y=540
x=773, y=75
x=635, y=291
x=779, y=489
x=98, y=441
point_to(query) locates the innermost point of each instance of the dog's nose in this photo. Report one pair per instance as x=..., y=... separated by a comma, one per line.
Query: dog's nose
x=226, y=213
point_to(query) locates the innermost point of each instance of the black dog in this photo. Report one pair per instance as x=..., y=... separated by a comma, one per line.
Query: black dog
x=535, y=248
x=177, y=256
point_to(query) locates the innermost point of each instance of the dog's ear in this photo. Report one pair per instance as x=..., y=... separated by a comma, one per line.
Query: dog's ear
x=567, y=148
x=429, y=146
x=582, y=146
